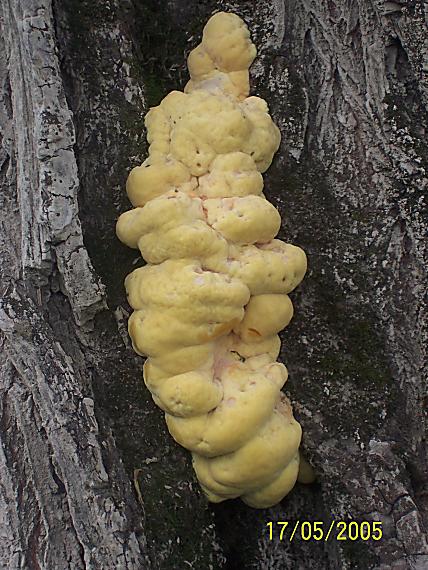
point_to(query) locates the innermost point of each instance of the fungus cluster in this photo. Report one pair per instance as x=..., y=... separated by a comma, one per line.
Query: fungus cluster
x=212, y=298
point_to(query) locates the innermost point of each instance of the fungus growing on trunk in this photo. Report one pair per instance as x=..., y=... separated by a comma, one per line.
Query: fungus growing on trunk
x=212, y=298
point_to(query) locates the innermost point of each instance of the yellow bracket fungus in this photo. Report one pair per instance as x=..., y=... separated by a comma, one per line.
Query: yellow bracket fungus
x=212, y=298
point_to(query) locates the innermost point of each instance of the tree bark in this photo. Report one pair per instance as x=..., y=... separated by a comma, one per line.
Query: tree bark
x=89, y=477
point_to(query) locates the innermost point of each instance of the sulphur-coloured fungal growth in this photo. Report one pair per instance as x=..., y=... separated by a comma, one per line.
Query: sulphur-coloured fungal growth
x=213, y=296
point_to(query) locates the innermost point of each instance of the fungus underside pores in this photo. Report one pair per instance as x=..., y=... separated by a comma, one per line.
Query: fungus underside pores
x=213, y=296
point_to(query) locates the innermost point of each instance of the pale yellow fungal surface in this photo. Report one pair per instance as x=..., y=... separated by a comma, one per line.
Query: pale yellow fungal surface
x=213, y=296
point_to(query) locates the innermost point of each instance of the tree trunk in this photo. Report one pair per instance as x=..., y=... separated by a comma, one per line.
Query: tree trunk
x=89, y=477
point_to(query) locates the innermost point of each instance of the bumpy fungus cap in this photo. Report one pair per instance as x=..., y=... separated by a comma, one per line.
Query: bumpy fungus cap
x=221, y=61
x=213, y=296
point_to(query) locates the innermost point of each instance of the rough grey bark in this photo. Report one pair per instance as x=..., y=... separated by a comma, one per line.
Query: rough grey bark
x=89, y=478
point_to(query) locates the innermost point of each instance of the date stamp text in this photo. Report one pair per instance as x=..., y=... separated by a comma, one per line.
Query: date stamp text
x=321, y=531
